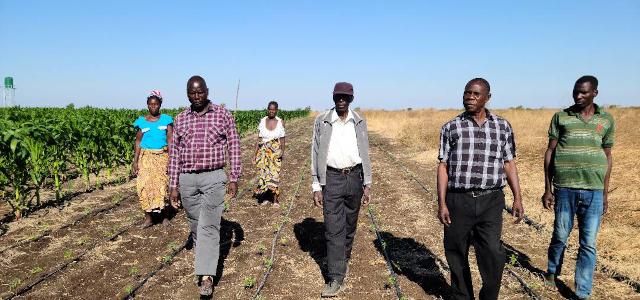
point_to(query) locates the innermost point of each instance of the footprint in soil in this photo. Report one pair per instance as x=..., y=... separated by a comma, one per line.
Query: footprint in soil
x=415, y=261
x=310, y=236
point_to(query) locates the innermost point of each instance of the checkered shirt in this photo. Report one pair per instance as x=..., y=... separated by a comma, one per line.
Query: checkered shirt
x=475, y=154
x=200, y=143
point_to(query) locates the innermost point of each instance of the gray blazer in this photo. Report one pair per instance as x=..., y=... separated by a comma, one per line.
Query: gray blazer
x=322, y=129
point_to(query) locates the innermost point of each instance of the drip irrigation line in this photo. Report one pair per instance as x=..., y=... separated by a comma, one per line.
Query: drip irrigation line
x=76, y=221
x=190, y=237
x=520, y=280
x=66, y=264
x=160, y=266
x=275, y=239
x=383, y=246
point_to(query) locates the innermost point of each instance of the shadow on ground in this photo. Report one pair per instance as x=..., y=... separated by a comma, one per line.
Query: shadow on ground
x=310, y=236
x=416, y=262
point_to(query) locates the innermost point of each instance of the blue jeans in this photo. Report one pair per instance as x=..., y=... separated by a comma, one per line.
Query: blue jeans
x=587, y=205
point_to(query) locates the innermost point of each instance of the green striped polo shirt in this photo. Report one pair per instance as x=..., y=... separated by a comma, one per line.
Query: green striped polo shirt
x=580, y=161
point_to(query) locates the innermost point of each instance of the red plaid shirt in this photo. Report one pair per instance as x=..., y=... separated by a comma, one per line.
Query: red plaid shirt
x=199, y=143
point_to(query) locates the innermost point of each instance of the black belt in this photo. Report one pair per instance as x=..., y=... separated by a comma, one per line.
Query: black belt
x=474, y=193
x=202, y=171
x=345, y=170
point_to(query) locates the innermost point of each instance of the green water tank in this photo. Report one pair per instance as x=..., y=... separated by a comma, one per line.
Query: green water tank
x=8, y=82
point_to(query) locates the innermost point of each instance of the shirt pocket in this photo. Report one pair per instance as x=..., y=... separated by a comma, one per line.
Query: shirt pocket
x=215, y=135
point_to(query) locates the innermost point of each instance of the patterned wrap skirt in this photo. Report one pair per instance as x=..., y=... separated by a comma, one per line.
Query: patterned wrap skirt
x=153, y=181
x=269, y=167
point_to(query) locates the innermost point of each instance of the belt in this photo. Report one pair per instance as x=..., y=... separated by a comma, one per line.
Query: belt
x=202, y=171
x=345, y=170
x=475, y=193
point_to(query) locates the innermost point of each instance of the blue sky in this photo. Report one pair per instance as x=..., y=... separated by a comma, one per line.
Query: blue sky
x=398, y=54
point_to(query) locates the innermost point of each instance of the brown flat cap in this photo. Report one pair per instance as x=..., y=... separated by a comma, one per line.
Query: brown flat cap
x=343, y=88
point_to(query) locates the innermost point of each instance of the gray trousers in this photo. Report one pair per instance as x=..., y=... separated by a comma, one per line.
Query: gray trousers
x=342, y=196
x=203, y=201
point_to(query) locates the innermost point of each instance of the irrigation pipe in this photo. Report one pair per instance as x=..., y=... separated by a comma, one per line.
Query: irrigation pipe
x=76, y=221
x=162, y=265
x=383, y=246
x=275, y=238
x=520, y=280
x=66, y=264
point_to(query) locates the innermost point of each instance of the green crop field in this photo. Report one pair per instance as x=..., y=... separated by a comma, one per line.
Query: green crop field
x=41, y=145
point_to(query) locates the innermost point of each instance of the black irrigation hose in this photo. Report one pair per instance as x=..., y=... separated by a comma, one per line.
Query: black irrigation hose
x=524, y=284
x=384, y=252
x=275, y=238
x=162, y=265
x=50, y=231
x=66, y=264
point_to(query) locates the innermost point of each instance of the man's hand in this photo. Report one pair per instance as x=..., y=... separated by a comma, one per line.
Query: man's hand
x=175, y=202
x=317, y=198
x=443, y=214
x=547, y=200
x=232, y=189
x=605, y=203
x=518, y=211
x=367, y=196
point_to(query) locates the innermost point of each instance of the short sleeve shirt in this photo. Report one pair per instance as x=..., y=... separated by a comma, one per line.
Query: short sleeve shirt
x=154, y=134
x=475, y=153
x=580, y=161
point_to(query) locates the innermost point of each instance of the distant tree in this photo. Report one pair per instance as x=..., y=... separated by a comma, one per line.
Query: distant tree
x=357, y=108
x=71, y=106
x=409, y=108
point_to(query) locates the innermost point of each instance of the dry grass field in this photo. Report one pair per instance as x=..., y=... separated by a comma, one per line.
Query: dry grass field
x=618, y=246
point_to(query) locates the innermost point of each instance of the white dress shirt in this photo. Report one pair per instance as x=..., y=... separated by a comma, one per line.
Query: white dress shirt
x=343, y=146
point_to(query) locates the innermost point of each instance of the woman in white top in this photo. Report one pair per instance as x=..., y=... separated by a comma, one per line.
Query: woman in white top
x=269, y=151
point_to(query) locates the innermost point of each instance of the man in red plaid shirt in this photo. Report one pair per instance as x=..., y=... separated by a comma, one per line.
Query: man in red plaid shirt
x=201, y=137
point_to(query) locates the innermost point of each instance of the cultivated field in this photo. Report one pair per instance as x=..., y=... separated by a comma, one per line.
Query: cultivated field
x=90, y=248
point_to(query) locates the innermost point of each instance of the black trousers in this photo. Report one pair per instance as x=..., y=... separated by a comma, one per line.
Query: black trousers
x=481, y=216
x=342, y=196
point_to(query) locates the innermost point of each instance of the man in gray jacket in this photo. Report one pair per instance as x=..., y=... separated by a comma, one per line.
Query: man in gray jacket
x=341, y=171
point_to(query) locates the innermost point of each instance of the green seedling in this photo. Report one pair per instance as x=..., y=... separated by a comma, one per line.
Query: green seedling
x=83, y=240
x=36, y=270
x=373, y=227
x=534, y=286
x=171, y=246
x=285, y=219
x=129, y=219
x=392, y=280
x=268, y=262
x=260, y=297
x=116, y=227
x=283, y=241
x=403, y=298
x=32, y=236
x=44, y=226
x=384, y=245
x=14, y=284
x=513, y=260
x=68, y=254
x=128, y=289
x=115, y=200
x=86, y=209
x=370, y=209
x=133, y=271
x=226, y=205
x=108, y=234
x=166, y=258
x=379, y=217
x=276, y=226
x=249, y=282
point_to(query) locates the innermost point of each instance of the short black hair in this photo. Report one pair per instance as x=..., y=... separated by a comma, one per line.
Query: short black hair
x=590, y=79
x=273, y=103
x=481, y=81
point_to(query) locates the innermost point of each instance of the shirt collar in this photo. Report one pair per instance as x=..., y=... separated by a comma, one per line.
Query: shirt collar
x=465, y=115
x=207, y=109
x=572, y=111
x=335, y=117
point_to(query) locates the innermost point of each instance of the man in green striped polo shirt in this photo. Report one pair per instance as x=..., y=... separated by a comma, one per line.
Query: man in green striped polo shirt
x=578, y=164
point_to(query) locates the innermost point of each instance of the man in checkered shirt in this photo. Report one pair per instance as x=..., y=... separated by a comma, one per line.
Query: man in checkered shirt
x=477, y=152
x=201, y=137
